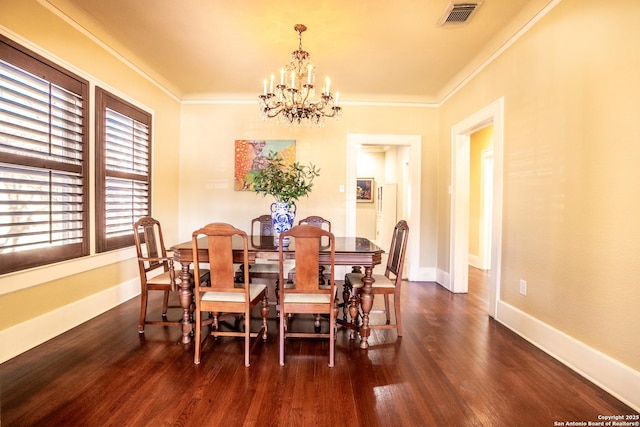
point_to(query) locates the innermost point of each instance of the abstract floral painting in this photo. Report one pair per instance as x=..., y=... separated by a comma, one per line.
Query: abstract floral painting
x=250, y=156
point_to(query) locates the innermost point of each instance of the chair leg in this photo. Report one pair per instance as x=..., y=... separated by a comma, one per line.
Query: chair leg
x=396, y=304
x=281, y=336
x=347, y=291
x=277, y=292
x=213, y=316
x=165, y=304
x=386, y=308
x=143, y=311
x=264, y=312
x=335, y=318
x=332, y=338
x=247, y=338
x=198, y=334
x=353, y=313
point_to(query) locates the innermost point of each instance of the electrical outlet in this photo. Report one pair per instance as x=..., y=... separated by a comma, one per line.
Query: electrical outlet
x=523, y=287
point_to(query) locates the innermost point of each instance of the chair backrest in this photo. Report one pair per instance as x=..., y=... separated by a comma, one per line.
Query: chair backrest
x=306, y=246
x=150, y=248
x=318, y=221
x=395, y=263
x=262, y=226
x=219, y=247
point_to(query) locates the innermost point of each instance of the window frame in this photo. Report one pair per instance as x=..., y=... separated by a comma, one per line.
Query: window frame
x=32, y=63
x=104, y=100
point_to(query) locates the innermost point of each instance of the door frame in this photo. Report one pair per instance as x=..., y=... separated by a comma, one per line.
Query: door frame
x=414, y=142
x=486, y=206
x=459, y=237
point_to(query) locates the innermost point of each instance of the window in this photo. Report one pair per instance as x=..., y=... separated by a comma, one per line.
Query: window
x=43, y=161
x=123, y=170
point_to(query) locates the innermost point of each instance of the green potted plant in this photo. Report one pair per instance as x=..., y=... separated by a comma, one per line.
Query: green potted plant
x=287, y=183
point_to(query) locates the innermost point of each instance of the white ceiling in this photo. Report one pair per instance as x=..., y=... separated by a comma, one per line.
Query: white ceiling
x=373, y=50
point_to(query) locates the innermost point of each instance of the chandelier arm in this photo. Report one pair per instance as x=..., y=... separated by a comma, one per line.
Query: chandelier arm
x=306, y=97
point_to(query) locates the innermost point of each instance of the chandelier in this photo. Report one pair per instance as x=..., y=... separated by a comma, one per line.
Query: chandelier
x=292, y=100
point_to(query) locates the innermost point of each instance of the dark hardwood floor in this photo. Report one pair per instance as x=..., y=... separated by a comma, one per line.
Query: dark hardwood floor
x=479, y=288
x=454, y=366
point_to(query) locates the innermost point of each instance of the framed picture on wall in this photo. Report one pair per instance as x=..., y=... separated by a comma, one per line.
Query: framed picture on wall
x=250, y=156
x=364, y=190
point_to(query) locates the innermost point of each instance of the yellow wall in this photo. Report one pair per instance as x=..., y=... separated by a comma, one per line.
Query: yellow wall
x=479, y=141
x=571, y=176
x=206, y=162
x=30, y=24
x=52, y=295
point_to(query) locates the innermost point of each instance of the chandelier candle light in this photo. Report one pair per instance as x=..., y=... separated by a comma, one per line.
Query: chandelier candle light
x=293, y=102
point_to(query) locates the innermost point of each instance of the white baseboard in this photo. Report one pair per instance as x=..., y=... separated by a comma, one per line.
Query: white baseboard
x=443, y=279
x=426, y=274
x=607, y=373
x=27, y=335
x=475, y=261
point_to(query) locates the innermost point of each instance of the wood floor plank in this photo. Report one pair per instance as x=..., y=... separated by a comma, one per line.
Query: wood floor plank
x=454, y=366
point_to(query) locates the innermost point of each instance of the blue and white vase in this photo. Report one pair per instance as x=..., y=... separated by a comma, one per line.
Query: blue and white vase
x=282, y=215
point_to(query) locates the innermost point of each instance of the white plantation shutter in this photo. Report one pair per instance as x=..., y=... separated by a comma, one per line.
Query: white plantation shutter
x=39, y=209
x=127, y=201
x=124, y=147
x=43, y=176
x=128, y=154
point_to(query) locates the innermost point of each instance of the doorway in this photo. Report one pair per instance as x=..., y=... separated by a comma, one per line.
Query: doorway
x=480, y=208
x=413, y=187
x=460, y=170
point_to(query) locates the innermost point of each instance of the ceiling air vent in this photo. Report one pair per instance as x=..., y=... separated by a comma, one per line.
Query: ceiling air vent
x=458, y=13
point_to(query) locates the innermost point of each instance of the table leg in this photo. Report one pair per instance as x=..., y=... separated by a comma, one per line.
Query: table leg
x=366, y=302
x=186, y=299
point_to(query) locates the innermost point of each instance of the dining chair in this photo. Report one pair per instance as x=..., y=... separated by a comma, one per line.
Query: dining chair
x=156, y=270
x=221, y=294
x=261, y=235
x=304, y=295
x=323, y=270
x=385, y=284
x=262, y=230
x=317, y=221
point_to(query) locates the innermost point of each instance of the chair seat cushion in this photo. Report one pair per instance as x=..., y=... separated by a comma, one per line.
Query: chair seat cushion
x=264, y=268
x=381, y=281
x=254, y=291
x=325, y=287
x=307, y=298
x=165, y=279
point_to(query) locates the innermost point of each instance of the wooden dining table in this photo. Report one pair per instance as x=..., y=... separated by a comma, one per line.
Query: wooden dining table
x=357, y=252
